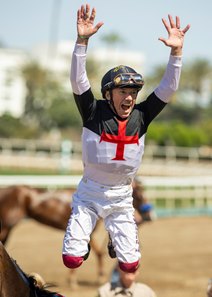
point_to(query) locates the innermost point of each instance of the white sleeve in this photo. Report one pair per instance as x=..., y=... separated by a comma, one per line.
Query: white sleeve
x=170, y=80
x=78, y=76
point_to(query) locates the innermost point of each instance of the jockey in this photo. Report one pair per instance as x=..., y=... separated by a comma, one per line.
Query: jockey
x=113, y=144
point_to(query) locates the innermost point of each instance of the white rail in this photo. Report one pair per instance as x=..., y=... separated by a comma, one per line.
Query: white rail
x=54, y=181
x=72, y=180
x=48, y=148
x=195, y=191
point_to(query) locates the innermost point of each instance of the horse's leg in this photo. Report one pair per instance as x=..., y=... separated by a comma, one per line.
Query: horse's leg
x=100, y=259
x=99, y=253
x=72, y=279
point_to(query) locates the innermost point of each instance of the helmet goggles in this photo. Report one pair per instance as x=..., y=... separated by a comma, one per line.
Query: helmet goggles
x=128, y=79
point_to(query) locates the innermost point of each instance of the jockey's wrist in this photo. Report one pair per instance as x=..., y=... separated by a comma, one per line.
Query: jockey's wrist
x=176, y=51
x=81, y=39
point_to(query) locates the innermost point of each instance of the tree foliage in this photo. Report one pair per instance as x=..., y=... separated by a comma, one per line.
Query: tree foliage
x=47, y=105
x=177, y=133
x=63, y=113
x=112, y=39
x=11, y=127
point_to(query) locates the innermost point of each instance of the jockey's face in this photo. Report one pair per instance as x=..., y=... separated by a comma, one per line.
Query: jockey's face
x=123, y=100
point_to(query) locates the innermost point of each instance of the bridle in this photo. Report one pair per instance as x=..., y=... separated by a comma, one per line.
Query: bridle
x=25, y=279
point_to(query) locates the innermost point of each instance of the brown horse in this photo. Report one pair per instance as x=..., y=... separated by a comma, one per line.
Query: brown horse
x=15, y=283
x=53, y=208
x=47, y=207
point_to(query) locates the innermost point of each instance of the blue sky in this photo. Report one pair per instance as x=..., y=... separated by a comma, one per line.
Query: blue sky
x=25, y=23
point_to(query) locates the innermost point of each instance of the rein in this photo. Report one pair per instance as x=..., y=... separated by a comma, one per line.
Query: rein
x=25, y=279
x=33, y=292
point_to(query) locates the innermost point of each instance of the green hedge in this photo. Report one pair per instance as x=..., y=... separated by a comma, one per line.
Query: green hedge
x=177, y=133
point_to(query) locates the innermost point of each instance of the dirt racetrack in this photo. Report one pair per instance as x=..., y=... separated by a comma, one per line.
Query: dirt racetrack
x=177, y=256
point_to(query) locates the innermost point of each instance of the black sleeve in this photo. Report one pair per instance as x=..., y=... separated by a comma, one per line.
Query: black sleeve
x=86, y=104
x=151, y=107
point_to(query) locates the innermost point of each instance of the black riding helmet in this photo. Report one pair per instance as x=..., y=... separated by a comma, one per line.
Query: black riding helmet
x=121, y=76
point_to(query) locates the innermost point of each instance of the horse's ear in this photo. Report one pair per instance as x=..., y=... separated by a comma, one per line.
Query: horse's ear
x=38, y=280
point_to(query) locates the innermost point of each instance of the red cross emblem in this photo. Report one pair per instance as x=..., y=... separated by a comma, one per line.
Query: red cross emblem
x=121, y=139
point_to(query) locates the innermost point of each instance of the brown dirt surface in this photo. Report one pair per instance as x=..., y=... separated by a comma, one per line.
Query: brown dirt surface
x=176, y=256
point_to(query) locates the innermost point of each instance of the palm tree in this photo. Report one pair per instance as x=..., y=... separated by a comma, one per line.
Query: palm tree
x=194, y=75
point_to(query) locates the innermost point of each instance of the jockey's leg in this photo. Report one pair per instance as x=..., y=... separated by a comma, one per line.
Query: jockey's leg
x=76, y=240
x=123, y=233
x=75, y=262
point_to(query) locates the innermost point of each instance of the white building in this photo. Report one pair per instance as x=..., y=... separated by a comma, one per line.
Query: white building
x=56, y=58
x=12, y=85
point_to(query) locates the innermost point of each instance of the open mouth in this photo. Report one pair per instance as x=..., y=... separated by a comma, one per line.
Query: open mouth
x=125, y=106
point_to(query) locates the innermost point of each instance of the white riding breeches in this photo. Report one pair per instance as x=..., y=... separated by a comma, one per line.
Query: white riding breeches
x=114, y=204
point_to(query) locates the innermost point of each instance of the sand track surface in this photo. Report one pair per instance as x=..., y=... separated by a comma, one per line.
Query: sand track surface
x=176, y=256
